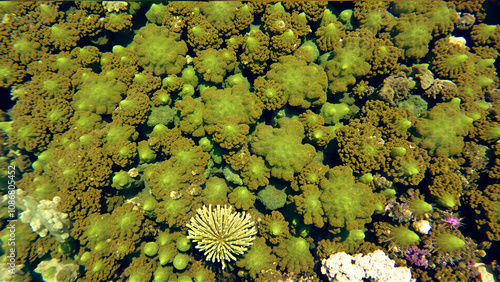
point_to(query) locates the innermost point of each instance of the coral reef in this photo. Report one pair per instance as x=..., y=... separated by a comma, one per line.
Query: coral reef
x=228, y=141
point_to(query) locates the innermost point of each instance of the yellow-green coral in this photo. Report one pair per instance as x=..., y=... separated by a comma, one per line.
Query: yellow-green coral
x=221, y=233
x=282, y=148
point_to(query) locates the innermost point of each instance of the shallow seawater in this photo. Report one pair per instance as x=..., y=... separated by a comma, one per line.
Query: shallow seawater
x=249, y=141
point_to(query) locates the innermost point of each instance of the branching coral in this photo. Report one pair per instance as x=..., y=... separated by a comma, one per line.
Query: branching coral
x=133, y=110
x=483, y=34
x=168, y=177
x=413, y=34
x=312, y=173
x=231, y=133
x=255, y=173
x=276, y=20
x=330, y=36
x=398, y=236
x=242, y=198
x=257, y=259
x=215, y=191
x=361, y=147
x=270, y=93
x=452, y=60
x=447, y=189
x=201, y=34
x=222, y=15
x=255, y=47
x=486, y=205
x=10, y=73
x=407, y=163
x=99, y=94
x=274, y=228
x=191, y=112
x=374, y=16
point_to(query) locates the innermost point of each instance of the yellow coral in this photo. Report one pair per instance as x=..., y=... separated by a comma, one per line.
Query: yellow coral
x=221, y=233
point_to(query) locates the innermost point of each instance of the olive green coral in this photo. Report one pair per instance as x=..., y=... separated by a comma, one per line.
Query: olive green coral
x=303, y=84
x=346, y=203
x=294, y=255
x=159, y=50
x=282, y=148
x=440, y=129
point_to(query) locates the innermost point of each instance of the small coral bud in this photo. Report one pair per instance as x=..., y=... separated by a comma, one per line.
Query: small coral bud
x=448, y=242
x=101, y=247
x=366, y=178
x=163, y=238
x=161, y=274
x=150, y=204
x=403, y=236
x=49, y=273
x=205, y=144
x=420, y=207
x=484, y=81
x=118, y=50
x=403, y=124
x=85, y=257
x=166, y=255
x=183, y=244
x=181, y=261
x=276, y=228
x=398, y=152
x=151, y=249
x=98, y=266
x=446, y=200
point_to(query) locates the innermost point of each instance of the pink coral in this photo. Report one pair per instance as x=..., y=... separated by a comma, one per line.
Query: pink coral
x=452, y=221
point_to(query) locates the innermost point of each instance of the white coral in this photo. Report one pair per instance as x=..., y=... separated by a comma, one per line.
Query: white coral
x=339, y=267
x=375, y=265
x=422, y=226
x=57, y=271
x=114, y=6
x=44, y=217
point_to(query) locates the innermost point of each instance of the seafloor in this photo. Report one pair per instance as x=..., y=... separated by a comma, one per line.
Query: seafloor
x=250, y=141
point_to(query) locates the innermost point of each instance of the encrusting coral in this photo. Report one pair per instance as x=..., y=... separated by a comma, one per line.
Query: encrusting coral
x=44, y=217
x=376, y=265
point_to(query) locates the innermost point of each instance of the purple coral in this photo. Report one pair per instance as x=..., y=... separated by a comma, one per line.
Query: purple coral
x=417, y=256
x=452, y=221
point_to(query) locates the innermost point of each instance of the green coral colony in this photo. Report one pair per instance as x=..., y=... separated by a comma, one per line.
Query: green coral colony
x=248, y=141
